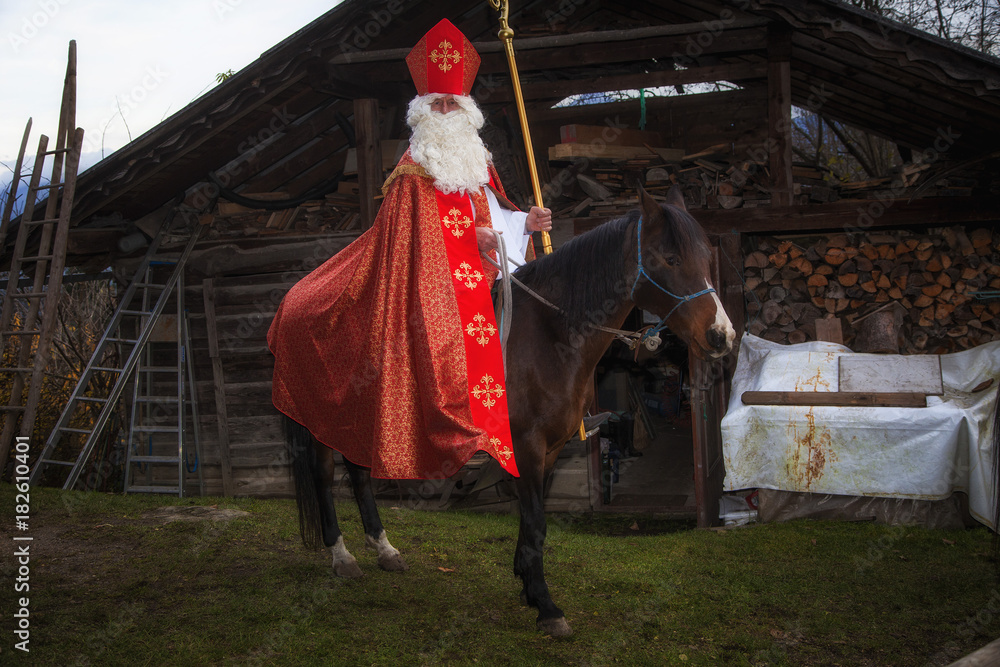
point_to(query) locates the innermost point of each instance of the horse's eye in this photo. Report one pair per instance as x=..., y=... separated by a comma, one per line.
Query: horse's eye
x=673, y=260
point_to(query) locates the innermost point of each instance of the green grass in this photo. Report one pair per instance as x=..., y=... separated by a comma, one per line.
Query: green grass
x=111, y=587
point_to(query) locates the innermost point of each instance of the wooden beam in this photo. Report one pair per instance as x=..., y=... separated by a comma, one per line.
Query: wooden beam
x=219, y=385
x=369, y=147
x=723, y=104
x=561, y=89
x=561, y=41
x=779, y=113
x=853, y=215
x=896, y=399
x=493, y=71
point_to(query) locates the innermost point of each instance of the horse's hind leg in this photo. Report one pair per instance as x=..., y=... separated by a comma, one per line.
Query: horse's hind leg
x=389, y=558
x=344, y=563
x=313, y=472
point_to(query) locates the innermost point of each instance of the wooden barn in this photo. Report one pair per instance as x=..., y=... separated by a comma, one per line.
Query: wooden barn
x=280, y=166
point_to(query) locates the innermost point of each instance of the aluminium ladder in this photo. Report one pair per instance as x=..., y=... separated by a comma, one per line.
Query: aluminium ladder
x=130, y=328
x=160, y=422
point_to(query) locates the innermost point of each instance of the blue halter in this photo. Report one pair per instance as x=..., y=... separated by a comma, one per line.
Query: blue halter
x=681, y=300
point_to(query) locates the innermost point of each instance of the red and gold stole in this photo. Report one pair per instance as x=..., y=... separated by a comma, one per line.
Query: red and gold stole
x=484, y=358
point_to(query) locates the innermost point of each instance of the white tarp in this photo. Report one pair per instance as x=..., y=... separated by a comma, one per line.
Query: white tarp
x=919, y=453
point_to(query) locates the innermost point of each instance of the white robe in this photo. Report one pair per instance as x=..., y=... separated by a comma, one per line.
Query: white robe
x=511, y=224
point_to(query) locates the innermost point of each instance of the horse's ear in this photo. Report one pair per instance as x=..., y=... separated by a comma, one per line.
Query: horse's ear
x=650, y=208
x=676, y=198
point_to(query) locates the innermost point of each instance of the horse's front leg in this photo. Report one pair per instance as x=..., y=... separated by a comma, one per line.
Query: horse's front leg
x=389, y=558
x=531, y=542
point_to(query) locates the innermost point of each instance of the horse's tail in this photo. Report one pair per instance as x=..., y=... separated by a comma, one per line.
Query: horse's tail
x=305, y=471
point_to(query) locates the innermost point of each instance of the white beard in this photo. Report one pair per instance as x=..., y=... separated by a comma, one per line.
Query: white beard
x=448, y=146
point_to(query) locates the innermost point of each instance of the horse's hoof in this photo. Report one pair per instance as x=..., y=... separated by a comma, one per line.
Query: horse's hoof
x=555, y=627
x=389, y=558
x=392, y=563
x=347, y=570
x=524, y=598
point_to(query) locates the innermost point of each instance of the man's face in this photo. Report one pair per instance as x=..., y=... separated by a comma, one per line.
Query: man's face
x=445, y=104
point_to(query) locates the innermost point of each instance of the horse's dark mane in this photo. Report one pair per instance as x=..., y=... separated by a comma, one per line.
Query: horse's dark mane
x=683, y=235
x=589, y=269
x=593, y=259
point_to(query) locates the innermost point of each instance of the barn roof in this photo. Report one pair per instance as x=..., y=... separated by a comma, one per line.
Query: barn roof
x=284, y=123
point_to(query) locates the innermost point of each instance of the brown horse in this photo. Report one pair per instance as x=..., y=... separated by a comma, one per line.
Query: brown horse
x=657, y=259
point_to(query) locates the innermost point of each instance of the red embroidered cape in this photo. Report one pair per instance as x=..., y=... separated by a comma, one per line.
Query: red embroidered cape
x=389, y=352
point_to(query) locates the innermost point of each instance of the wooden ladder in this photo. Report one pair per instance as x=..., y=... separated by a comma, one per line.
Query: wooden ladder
x=28, y=339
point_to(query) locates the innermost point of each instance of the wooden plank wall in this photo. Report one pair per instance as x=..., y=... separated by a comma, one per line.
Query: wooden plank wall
x=243, y=309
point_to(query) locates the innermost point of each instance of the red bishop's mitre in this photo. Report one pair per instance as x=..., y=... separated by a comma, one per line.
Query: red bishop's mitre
x=443, y=61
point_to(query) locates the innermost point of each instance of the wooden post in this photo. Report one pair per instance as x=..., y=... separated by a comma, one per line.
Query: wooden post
x=707, y=409
x=366, y=133
x=14, y=184
x=729, y=259
x=219, y=385
x=779, y=113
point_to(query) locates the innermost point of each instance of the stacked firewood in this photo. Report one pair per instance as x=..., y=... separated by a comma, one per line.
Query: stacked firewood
x=945, y=286
x=608, y=187
x=717, y=177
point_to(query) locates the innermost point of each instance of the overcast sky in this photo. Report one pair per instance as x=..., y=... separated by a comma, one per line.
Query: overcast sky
x=138, y=61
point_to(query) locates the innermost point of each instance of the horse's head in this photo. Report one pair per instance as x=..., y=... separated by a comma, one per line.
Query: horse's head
x=672, y=276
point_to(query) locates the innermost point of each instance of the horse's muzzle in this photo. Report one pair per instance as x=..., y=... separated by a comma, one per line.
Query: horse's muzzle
x=716, y=340
x=720, y=336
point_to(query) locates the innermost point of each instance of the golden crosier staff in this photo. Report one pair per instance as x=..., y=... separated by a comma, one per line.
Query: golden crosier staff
x=506, y=35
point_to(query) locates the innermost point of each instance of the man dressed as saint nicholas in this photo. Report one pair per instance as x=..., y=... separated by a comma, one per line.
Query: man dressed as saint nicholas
x=389, y=352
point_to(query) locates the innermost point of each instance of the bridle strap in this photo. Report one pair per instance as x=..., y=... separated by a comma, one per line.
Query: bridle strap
x=631, y=338
x=641, y=273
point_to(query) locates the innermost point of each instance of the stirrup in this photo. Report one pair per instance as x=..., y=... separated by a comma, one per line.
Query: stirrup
x=592, y=423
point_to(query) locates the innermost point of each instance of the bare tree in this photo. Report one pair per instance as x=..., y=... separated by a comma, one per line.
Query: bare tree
x=971, y=23
x=845, y=153
x=84, y=309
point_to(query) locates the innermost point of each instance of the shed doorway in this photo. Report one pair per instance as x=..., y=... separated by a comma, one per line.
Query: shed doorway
x=643, y=459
